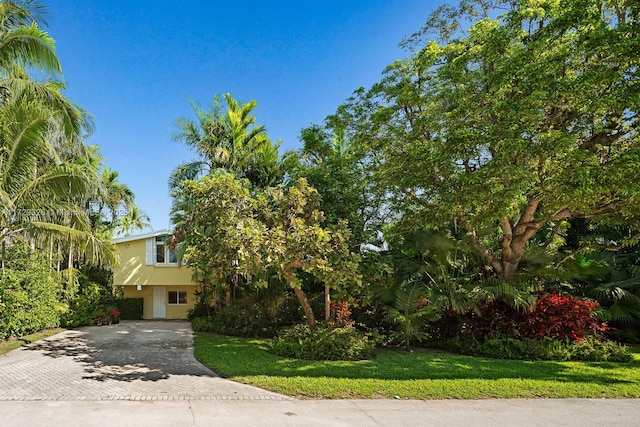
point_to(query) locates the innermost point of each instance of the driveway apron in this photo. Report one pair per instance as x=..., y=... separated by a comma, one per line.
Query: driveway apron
x=133, y=360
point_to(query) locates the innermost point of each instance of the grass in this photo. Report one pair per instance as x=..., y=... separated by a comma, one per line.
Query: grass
x=420, y=375
x=11, y=344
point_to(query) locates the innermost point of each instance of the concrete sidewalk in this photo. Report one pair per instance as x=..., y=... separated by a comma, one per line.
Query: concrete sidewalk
x=324, y=413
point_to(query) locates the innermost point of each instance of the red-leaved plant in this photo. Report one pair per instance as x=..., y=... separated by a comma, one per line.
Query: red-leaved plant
x=554, y=315
x=564, y=316
x=340, y=314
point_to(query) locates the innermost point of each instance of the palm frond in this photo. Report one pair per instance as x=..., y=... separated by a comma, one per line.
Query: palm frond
x=29, y=46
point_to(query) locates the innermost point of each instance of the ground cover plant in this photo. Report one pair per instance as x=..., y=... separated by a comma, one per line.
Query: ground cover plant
x=424, y=374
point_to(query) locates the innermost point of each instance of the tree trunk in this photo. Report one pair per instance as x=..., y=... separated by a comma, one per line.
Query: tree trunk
x=311, y=320
x=327, y=303
x=70, y=262
x=509, y=269
x=227, y=295
x=516, y=233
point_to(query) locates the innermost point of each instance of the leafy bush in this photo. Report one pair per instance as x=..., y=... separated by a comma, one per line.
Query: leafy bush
x=247, y=317
x=589, y=349
x=29, y=297
x=202, y=324
x=83, y=306
x=201, y=309
x=554, y=316
x=564, y=316
x=323, y=344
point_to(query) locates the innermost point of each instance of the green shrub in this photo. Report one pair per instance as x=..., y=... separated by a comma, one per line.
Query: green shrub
x=201, y=309
x=29, y=298
x=83, y=306
x=247, y=317
x=323, y=344
x=202, y=324
x=589, y=349
x=130, y=308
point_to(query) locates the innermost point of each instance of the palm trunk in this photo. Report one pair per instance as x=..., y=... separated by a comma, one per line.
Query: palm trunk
x=70, y=263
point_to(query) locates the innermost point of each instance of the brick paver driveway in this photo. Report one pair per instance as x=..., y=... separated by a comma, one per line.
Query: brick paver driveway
x=145, y=360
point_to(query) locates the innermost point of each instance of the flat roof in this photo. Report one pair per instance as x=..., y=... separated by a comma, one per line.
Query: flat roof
x=142, y=236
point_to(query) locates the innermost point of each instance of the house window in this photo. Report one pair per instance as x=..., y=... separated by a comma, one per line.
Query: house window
x=177, y=297
x=164, y=255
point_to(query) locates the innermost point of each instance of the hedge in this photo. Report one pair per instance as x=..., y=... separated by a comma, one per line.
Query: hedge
x=130, y=308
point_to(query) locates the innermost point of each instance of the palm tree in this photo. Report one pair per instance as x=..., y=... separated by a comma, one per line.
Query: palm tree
x=37, y=193
x=133, y=220
x=228, y=141
x=225, y=140
x=24, y=46
x=113, y=194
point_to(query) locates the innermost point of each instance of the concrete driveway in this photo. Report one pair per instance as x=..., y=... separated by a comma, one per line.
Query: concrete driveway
x=133, y=360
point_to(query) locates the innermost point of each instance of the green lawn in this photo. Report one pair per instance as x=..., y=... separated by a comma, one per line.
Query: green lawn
x=8, y=345
x=419, y=375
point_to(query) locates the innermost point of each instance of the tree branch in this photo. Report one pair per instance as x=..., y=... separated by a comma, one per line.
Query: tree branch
x=554, y=231
x=525, y=220
x=593, y=245
x=507, y=237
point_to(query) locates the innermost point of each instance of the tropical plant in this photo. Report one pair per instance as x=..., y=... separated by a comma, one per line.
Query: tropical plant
x=410, y=311
x=134, y=219
x=24, y=46
x=227, y=139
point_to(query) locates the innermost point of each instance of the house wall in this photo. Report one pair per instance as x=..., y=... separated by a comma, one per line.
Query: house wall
x=132, y=271
x=172, y=311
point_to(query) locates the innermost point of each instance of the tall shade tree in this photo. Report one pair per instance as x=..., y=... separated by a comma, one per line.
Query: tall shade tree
x=527, y=118
x=338, y=171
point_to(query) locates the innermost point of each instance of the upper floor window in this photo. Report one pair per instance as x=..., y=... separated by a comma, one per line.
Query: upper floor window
x=164, y=255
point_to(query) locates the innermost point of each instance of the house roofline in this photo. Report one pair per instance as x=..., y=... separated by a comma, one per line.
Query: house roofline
x=142, y=236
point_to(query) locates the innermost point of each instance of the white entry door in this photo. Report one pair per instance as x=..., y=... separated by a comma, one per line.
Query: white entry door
x=159, y=308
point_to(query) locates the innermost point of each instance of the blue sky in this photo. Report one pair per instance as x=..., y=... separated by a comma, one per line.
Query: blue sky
x=135, y=65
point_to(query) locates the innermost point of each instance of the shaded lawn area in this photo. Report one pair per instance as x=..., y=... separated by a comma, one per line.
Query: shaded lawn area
x=420, y=375
x=11, y=344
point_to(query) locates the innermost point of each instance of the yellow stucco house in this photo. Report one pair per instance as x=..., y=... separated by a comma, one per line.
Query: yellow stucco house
x=149, y=269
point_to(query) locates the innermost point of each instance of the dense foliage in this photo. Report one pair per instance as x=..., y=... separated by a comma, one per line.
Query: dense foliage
x=553, y=316
x=344, y=343
x=129, y=308
x=525, y=119
x=250, y=316
x=30, y=296
x=277, y=233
